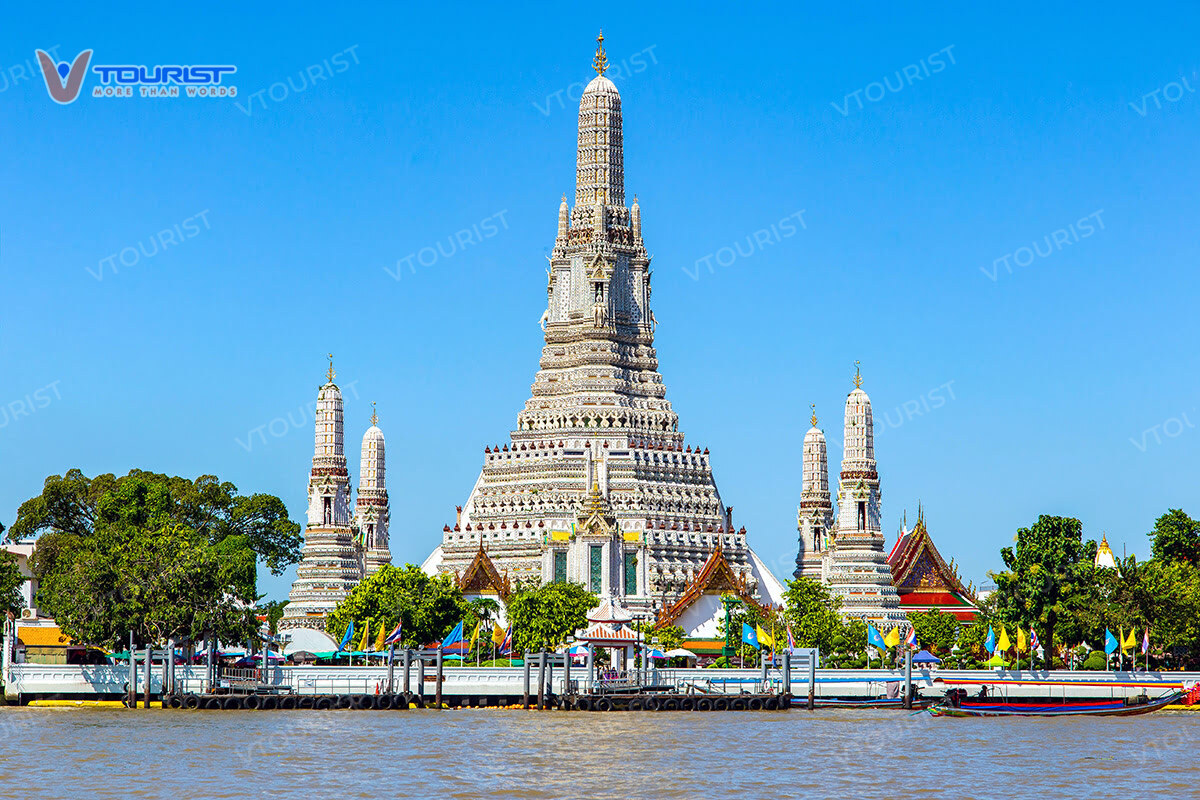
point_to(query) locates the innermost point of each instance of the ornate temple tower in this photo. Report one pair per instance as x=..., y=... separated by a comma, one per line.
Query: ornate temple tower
x=814, y=517
x=329, y=563
x=596, y=484
x=857, y=568
x=371, y=510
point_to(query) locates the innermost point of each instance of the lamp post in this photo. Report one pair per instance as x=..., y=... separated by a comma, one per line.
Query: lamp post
x=729, y=650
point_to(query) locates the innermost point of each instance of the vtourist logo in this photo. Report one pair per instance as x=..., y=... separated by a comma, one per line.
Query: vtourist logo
x=14, y=74
x=305, y=79
x=280, y=427
x=876, y=90
x=1171, y=92
x=570, y=96
x=29, y=404
x=65, y=81
x=155, y=244
x=456, y=243
x=931, y=400
x=1054, y=241
x=756, y=242
x=1171, y=428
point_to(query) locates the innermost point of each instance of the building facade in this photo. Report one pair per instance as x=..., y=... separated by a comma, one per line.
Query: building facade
x=342, y=545
x=597, y=484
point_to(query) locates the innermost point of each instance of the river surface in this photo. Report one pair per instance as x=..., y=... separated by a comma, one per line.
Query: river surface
x=115, y=753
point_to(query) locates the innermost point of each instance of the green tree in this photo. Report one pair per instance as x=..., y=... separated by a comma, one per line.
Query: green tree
x=1176, y=537
x=164, y=557
x=1049, y=566
x=937, y=631
x=11, y=581
x=428, y=608
x=547, y=615
x=273, y=611
x=812, y=611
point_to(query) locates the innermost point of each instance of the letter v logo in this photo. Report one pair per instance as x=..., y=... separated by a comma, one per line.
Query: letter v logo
x=64, y=81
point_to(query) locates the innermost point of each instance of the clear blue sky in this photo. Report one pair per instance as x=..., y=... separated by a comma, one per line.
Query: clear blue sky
x=1073, y=379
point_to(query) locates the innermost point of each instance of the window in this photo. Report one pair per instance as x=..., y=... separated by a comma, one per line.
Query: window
x=862, y=515
x=631, y=573
x=328, y=517
x=595, y=563
x=560, y=566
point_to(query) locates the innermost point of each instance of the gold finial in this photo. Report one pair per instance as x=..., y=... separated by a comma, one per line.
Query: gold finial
x=374, y=416
x=814, y=414
x=600, y=62
x=857, y=375
x=331, y=373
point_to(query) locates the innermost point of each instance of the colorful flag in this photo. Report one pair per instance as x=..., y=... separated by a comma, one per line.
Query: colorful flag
x=749, y=636
x=497, y=634
x=764, y=638
x=911, y=639
x=346, y=638
x=366, y=637
x=454, y=637
x=1033, y=640
x=394, y=636
x=1146, y=641
x=990, y=641
x=893, y=637
x=506, y=645
x=475, y=633
x=1129, y=642
x=1110, y=642
x=874, y=639
x=1020, y=640
x=380, y=638
x=1004, y=643
x=791, y=641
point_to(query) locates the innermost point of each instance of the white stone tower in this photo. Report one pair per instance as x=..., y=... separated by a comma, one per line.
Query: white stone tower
x=857, y=569
x=329, y=563
x=814, y=518
x=371, y=511
x=597, y=484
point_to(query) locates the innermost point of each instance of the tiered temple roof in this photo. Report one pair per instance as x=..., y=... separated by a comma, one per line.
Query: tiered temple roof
x=924, y=580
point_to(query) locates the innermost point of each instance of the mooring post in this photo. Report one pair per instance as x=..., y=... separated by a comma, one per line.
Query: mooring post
x=591, y=668
x=762, y=686
x=541, y=679
x=407, y=670
x=146, y=690
x=908, y=686
x=787, y=671
x=132, y=674
x=812, y=679
x=567, y=674
x=550, y=681
x=212, y=664
x=526, y=659
x=437, y=697
x=421, y=677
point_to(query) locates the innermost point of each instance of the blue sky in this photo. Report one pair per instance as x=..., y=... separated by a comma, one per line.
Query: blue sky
x=1006, y=242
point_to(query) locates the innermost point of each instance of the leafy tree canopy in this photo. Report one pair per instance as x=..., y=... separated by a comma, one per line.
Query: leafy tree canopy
x=545, y=616
x=429, y=608
x=812, y=611
x=11, y=581
x=936, y=631
x=1176, y=537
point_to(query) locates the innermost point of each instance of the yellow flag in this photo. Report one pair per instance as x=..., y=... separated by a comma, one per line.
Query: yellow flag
x=1020, y=640
x=1004, y=643
x=497, y=634
x=379, y=639
x=475, y=633
x=892, y=638
x=1129, y=641
x=764, y=639
x=366, y=637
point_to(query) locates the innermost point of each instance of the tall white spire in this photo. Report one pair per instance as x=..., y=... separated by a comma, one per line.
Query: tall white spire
x=814, y=517
x=600, y=158
x=371, y=511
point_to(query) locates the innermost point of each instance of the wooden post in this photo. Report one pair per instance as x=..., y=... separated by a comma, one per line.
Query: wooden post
x=421, y=677
x=908, y=685
x=146, y=688
x=787, y=672
x=526, y=659
x=169, y=669
x=591, y=668
x=541, y=679
x=437, y=696
x=391, y=679
x=812, y=679
x=567, y=674
x=762, y=686
x=132, y=674
x=550, y=680
x=407, y=671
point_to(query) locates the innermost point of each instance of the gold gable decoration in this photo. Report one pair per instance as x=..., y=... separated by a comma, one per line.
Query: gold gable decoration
x=717, y=577
x=482, y=577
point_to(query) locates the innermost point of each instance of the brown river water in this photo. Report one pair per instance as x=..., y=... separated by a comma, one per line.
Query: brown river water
x=115, y=753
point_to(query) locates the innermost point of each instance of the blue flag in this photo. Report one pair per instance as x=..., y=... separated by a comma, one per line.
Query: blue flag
x=874, y=639
x=454, y=636
x=347, y=637
x=1110, y=642
x=749, y=636
x=990, y=641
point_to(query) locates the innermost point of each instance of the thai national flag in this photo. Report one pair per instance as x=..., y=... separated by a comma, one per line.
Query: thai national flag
x=911, y=639
x=1033, y=640
x=506, y=647
x=791, y=641
x=394, y=636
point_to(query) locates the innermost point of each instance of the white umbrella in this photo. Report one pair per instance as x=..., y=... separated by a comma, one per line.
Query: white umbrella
x=681, y=652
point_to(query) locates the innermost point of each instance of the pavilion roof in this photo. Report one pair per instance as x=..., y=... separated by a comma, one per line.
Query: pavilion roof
x=717, y=577
x=922, y=577
x=482, y=576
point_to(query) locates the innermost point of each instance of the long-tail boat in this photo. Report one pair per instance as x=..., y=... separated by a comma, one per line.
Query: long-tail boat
x=957, y=706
